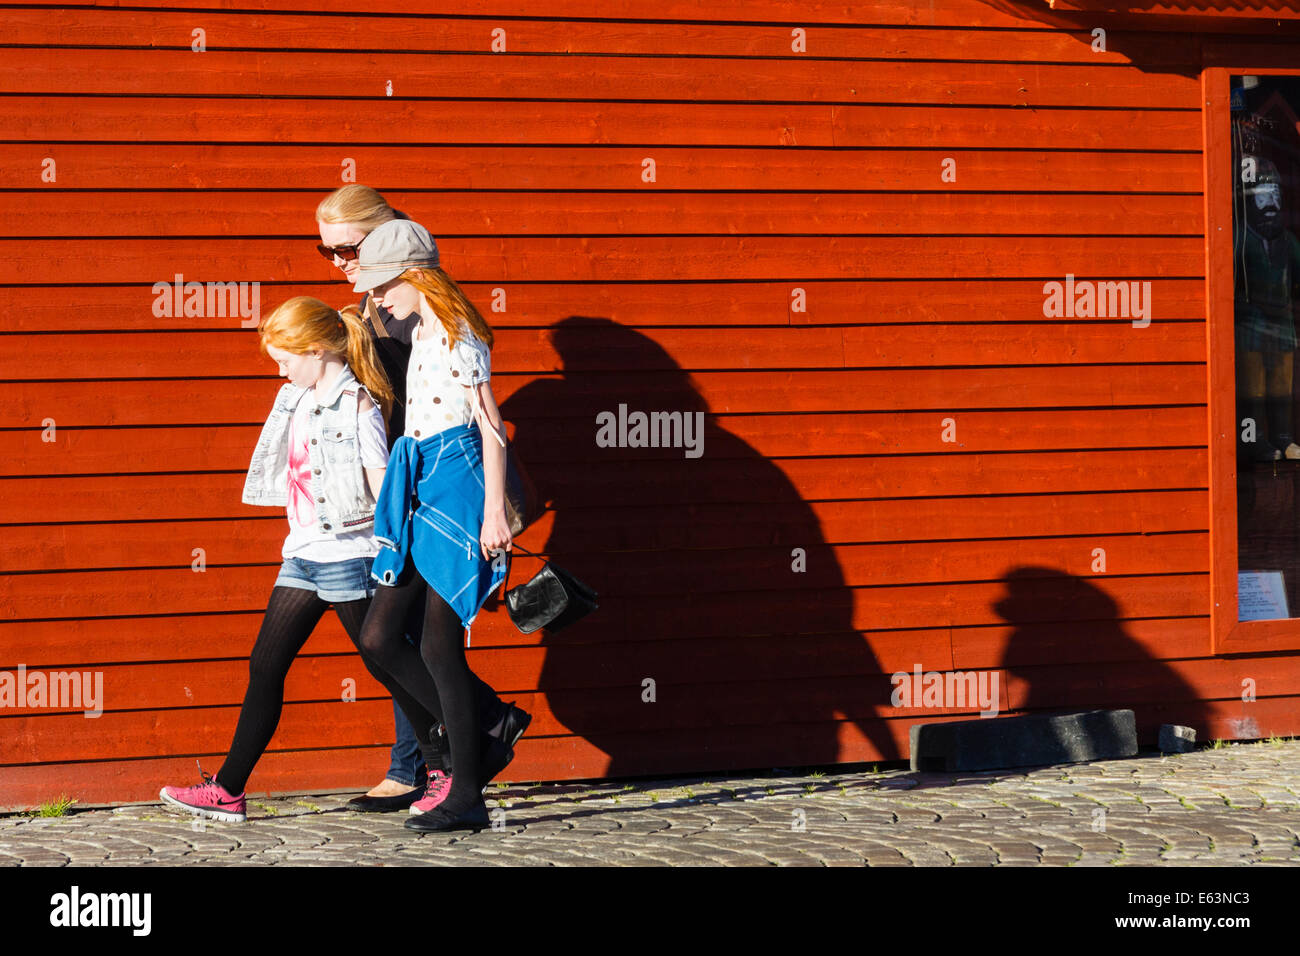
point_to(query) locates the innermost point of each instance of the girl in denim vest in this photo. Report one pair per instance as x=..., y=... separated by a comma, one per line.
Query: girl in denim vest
x=321, y=455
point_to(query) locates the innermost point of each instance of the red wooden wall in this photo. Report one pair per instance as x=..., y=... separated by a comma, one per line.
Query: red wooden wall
x=776, y=170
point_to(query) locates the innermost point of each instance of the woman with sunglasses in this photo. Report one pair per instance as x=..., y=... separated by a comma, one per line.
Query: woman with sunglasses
x=344, y=219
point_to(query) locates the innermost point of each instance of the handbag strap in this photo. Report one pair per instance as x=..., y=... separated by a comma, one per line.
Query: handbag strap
x=376, y=323
x=510, y=563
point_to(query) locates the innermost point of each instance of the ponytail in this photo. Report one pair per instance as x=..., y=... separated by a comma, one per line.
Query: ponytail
x=303, y=323
x=363, y=358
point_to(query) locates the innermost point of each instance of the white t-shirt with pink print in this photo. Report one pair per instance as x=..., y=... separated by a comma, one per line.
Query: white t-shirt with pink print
x=306, y=540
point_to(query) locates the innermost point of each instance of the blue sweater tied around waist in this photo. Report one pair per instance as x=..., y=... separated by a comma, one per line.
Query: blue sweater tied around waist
x=431, y=508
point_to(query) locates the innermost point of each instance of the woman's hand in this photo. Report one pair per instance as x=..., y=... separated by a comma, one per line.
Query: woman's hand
x=495, y=533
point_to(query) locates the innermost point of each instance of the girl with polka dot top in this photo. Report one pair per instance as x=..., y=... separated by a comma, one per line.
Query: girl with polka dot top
x=441, y=518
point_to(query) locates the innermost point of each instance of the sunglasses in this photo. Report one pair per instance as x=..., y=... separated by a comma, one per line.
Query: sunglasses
x=346, y=253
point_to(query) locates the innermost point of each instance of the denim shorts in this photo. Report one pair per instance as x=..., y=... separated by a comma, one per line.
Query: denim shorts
x=333, y=581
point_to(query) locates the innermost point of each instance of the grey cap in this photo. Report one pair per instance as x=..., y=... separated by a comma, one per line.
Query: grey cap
x=392, y=248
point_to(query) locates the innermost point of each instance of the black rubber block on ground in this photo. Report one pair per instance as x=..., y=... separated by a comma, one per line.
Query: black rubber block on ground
x=1034, y=740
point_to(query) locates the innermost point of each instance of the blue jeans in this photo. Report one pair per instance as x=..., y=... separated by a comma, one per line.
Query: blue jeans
x=333, y=581
x=406, y=763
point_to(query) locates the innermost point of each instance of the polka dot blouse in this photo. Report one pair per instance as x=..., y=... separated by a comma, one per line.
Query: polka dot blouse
x=436, y=394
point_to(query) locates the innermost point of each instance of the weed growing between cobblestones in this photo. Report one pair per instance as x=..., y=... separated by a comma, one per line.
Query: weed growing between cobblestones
x=267, y=808
x=54, y=808
x=310, y=806
x=1217, y=745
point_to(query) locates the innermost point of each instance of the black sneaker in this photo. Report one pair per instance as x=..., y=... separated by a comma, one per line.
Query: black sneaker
x=440, y=819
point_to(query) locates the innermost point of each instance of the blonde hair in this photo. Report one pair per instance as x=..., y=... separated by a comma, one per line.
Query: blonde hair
x=449, y=303
x=357, y=204
x=303, y=323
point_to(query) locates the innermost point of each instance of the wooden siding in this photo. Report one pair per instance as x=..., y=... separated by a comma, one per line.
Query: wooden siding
x=776, y=171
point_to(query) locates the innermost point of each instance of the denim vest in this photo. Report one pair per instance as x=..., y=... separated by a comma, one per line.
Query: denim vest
x=338, y=481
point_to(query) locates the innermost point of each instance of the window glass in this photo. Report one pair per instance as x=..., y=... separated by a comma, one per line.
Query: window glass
x=1266, y=294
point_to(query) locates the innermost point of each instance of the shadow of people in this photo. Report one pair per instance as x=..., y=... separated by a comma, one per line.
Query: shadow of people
x=1090, y=661
x=709, y=650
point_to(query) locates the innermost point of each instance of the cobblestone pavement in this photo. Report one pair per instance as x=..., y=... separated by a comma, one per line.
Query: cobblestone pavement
x=1236, y=805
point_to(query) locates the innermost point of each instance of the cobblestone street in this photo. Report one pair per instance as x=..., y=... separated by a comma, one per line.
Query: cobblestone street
x=1236, y=805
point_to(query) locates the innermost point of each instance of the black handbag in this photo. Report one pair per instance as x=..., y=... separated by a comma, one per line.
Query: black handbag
x=552, y=598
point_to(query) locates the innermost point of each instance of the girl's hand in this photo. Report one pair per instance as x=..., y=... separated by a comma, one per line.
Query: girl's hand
x=494, y=534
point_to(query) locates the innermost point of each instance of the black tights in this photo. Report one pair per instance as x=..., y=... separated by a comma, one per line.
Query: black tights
x=434, y=679
x=291, y=615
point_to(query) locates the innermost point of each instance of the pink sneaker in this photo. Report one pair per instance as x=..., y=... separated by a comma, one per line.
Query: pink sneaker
x=435, y=791
x=209, y=799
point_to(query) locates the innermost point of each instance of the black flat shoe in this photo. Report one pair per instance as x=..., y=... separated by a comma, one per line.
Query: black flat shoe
x=494, y=757
x=439, y=819
x=368, y=804
x=515, y=723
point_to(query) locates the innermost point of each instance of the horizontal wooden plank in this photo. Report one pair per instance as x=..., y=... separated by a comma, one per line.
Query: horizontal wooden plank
x=56, y=737
x=120, y=449
x=514, y=663
x=74, y=594
x=778, y=12
x=582, y=77
x=700, y=700
x=962, y=13
x=1192, y=683
x=318, y=674
x=36, y=547
x=294, y=31
x=917, y=606
x=455, y=214
x=611, y=348
x=1107, y=640
x=566, y=308
x=142, y=354
x=28, y=404
x=599, y=259
x=640, y=483
x=94, y=166
x=198, y=119
x=796, y=565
